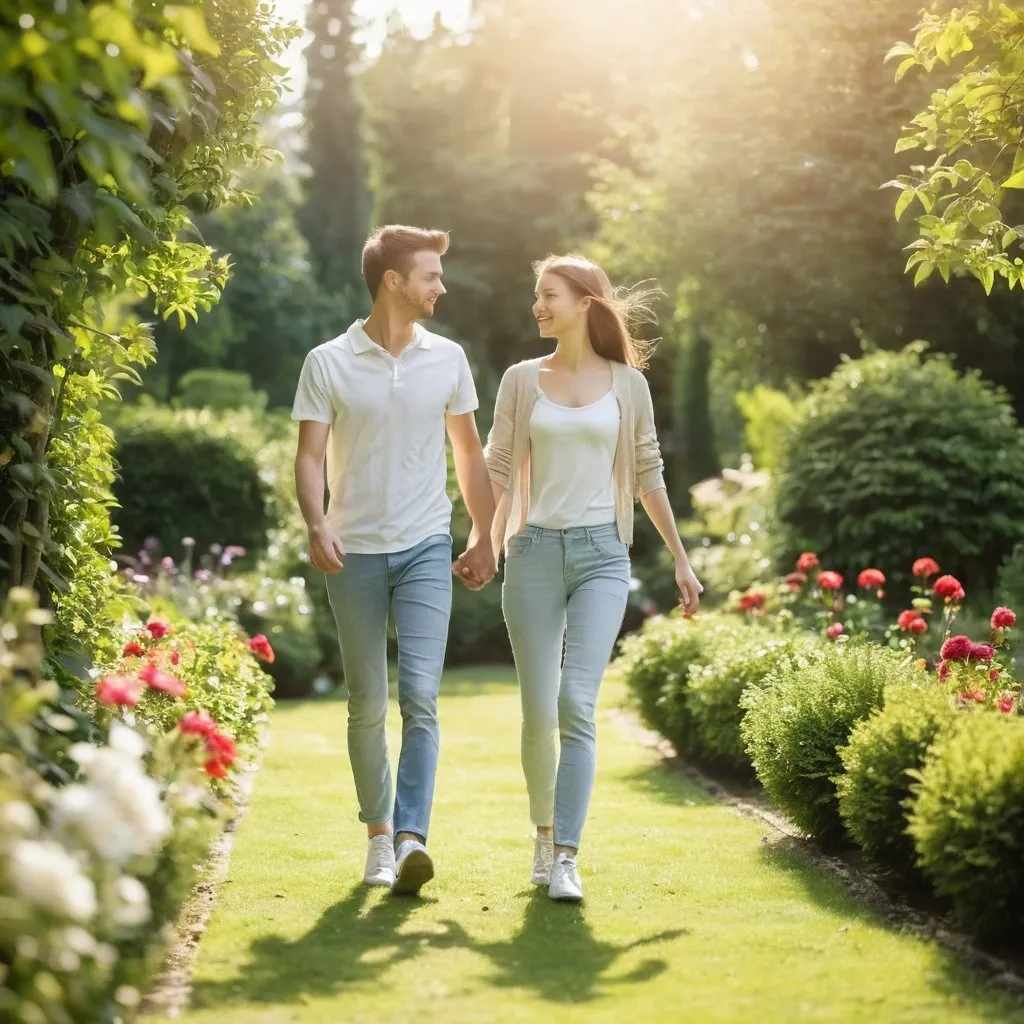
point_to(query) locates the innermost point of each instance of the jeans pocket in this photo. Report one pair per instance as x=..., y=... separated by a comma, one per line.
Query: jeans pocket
x=608, y=545
x=518, y=545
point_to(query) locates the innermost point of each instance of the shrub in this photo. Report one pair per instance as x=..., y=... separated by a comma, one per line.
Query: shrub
x=968, y=821
x=190, y=475
x=220, y=390
x=715, y=686
x=884, y=750
x=795, y=726
x=898, y=453
x=769, y=416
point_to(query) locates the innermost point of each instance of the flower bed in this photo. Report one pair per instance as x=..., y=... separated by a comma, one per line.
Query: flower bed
x=108, y=801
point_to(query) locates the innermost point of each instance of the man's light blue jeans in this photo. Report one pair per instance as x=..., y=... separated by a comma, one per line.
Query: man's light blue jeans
x=563, y=589
x=417, y=585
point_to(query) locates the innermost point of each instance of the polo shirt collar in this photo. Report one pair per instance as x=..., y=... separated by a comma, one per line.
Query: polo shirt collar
x=361, y=342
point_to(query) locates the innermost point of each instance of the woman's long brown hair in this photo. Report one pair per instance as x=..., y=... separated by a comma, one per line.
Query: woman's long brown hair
x=613, y=315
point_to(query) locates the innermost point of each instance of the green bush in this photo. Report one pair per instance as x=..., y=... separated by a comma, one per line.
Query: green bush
x=968, y=822
x=884, y=749
x=897, y=455
x=219, y=390
x=190, y=475
x=769, y=416
x=715, y=686
x=795, y=726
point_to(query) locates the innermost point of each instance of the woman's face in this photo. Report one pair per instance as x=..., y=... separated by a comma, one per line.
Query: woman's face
x=558, y=308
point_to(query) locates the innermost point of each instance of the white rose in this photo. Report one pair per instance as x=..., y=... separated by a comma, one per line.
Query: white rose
x=46, y=875
x=19, y=817
x=131, y=902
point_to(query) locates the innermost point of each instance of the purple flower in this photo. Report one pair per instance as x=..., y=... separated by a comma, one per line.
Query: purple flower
x=203, y=575
x=167, y=563
x=151, y=542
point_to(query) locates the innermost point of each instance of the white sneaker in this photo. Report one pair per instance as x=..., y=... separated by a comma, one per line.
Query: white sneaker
x=543, y=858
x=565, y=880
x=380, y=861
x=413, y=868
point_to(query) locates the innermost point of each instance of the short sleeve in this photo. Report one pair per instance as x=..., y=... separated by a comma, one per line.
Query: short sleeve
x=464, y=400
x=312, y=399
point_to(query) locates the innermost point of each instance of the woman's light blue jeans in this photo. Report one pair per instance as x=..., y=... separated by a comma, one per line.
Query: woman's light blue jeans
x=564, y=590
x=417, y=585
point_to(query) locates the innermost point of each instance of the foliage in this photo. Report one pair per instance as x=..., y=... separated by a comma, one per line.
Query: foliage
x=897, y=453
x=884, y=749
x=796, y=725
x=968, y=822
x=971, y=131
x=220, y=391
x=769, y=415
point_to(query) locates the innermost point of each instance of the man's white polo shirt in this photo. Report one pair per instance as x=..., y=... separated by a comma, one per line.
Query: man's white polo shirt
x=386, y=460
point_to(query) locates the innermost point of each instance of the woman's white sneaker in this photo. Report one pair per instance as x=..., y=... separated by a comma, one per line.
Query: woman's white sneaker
x=380, y=861
x=414, y=868
x=565, y=880
x=543, y=858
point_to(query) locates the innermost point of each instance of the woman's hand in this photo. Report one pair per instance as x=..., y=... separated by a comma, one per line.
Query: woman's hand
x=690, y=589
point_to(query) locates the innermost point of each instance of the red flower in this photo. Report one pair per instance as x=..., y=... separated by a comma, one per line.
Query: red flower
x=175, y=657
x=926, y=567
x=993, y=675
x=160, y=680
x=198, y=723
x=260, y=646
x=943, y=671
x=123, y=691
x=216, y=768
x=834, y=631
x=957, y=648
x=982, y=652
x=748, y=602
x=911, y=621
x=796, y=580
x=976, y=694
x=829, y=580
x=807, y=561
x=132, y=649
x=919, y=626
x=1006, y=703
x=1003, y=618
x=949, y=588
x=158, y=629
x=222, y=746
x=869, y=578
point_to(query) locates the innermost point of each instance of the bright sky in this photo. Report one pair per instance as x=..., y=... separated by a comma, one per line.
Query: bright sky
x=419, y=14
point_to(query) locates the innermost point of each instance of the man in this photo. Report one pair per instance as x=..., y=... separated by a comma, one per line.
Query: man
x=375, y=403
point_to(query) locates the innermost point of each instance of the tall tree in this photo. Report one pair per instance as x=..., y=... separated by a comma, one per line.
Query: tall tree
x=335, y=212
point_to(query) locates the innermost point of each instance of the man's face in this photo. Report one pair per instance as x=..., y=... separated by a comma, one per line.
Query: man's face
x=422, y=287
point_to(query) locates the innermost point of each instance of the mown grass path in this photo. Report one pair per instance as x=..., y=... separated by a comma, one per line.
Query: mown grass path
x=690, y=915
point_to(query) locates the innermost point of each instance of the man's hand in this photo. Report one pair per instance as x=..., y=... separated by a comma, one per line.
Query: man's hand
x=326, y=552
x=476, y=566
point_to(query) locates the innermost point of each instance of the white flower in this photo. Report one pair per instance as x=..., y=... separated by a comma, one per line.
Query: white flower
x=126, y=741
x=46, y=875
x=131, y=902
x=18, y=817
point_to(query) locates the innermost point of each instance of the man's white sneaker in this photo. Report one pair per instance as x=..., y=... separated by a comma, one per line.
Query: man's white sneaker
x=565, y=880
x=543, y=858
x=380, y=861
x=413, y=868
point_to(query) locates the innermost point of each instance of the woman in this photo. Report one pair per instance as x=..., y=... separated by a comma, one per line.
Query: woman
x=572, y=448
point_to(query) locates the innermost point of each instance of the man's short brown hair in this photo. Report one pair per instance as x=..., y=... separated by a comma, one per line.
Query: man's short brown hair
x=393, y=246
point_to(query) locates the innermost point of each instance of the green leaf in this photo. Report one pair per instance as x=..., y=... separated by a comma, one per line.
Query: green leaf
x=1015, y=180
x=907, y=142
x=904, y=201
x=923, y=272
x=190, y=23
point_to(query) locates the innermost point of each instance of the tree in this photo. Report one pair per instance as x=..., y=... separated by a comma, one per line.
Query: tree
x=334, y=214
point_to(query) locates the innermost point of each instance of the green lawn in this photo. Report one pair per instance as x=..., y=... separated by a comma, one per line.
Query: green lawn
x=690, y=915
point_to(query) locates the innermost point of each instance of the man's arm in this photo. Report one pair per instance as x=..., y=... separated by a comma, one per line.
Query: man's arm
x=325, y=549
x=476, y=565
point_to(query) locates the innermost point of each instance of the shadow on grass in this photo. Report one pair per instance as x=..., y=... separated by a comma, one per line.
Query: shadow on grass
x=554, y=954
x=659, y=782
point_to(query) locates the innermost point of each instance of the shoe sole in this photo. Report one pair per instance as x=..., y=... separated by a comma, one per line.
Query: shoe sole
x=417, y=869
x=566, y=899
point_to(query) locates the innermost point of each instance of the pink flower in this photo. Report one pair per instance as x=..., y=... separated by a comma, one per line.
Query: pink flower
x=132, y=649
x=870, y=578
x=175, y=657
x=795, y=580
x=975, y=694
x=197, y=723
x=123, y=691
x=919, y=626
x=948, y=587
x=926, y=567
x=1003, y=618
x=1006, y=703
x=157, y=679
x=957, y=648
x=943, y=671
x=260, y=646
x=807, y=561
x=982, y=652
x=158, y=629
x=912, y=622
x=994, y=675
x=829, y=580
x=834, y=631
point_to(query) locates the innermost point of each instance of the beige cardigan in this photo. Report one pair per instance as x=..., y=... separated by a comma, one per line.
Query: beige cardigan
x=638, y=464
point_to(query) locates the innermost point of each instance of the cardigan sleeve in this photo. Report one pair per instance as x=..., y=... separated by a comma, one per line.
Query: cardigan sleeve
x=649, y=463
x=498, y=450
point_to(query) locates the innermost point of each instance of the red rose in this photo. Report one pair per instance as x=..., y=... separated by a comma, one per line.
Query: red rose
x=748, y=602
x=132, y=649
x=796, y=580
x=949, y=588
x=123, y=691
x=982, y=652
x=829, y=580
x=975, y=694
x=834, y=631
x=807, y=561
x=160, y=680
x=158, y=629
x=869, y=578
x=943, y=671
x=216, y=768
x=1003, y=618
x=957, y=648
x=221, y=746
x=919, y=626
x=198, y=723
x=926, y=567
x=1006, y=704
x=260, y=646
x=908, y=621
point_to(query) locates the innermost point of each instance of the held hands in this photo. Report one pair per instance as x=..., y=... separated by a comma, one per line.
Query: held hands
x=326, y=552
x=476, y=565
x=690, y=589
